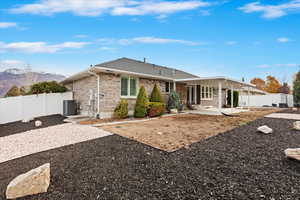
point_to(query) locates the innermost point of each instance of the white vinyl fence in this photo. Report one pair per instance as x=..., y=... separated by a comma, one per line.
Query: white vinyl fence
x=266, y=100
x=23, y=107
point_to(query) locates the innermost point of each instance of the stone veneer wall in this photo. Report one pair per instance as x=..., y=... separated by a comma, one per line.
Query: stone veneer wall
x=110, y=86
x=81, y=89
x=181, y=89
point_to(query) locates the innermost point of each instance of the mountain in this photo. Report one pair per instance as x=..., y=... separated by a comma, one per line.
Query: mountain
x=20, y=77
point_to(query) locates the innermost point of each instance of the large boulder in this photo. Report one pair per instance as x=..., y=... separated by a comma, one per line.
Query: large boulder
x=33, y=182
x=296, y=125
x=265, y=129
x=293, y=153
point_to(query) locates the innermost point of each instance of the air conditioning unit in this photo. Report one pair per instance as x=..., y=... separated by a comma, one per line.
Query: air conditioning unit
x=70, y=107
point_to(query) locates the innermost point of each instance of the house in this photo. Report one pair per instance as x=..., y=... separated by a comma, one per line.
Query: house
x=99, y=89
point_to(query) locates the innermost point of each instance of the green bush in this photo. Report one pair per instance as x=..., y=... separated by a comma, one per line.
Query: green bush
x=13, y=92
x=235, y=98
x=47, y=87
x=156, y=95
x=174, y=101
x=121, y=111
x=142, y=101
x=156, y=109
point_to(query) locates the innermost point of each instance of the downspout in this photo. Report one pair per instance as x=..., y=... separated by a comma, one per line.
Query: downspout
x=98, y=89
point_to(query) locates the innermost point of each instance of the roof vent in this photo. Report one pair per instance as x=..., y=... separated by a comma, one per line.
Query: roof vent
x=160, y=72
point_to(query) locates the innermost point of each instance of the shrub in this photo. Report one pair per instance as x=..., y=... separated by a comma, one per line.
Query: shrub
x=235, y=98
x=156, y=109
x=156, y=95
x=121, y=111
x=142, y=101
x=174, y=101
x=13, y=92
x=47, y=87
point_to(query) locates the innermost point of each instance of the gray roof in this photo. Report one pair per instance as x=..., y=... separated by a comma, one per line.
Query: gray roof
x=136, y=66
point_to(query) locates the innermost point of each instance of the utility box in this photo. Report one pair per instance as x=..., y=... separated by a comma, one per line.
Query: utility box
x=70, y=107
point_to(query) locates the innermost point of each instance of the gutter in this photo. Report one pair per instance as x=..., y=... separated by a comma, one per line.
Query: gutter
x=98, y=89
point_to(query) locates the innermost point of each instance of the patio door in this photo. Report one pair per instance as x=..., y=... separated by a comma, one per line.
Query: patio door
x=193, y=94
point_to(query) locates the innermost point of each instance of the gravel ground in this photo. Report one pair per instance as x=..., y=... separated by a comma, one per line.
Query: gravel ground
x=38, y=140
x=19, y=127
x=237, y=165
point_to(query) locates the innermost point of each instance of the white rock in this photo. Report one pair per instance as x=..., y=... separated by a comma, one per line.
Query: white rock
x=38, y=123
x=173, y=111
x=265, y=129
x=33, y=182
x=293, y=153
x=296, y=125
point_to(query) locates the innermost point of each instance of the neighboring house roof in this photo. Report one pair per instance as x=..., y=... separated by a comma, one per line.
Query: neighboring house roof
x=133, y=67
x=130, y=65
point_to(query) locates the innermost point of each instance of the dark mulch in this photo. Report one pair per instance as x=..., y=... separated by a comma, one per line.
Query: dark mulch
x=18, y=127
x=239, y=164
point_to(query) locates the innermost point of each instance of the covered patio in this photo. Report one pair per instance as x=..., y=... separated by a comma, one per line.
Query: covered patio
x=209, y=95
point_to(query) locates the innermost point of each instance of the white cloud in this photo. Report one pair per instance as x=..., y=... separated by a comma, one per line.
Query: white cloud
x=231, y=43
x=11, y=62
x=272, y=11
x=283, y=40
x=113, y=7
x=39, y=47
x=156, y=40
x=158, y=7
x=7, y=25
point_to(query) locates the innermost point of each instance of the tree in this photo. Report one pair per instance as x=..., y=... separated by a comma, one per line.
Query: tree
x=285, y=89
x=156, y=95
x=47, y=87
x=13, y=92
x=259, y=83
x=296, y=88
x=142, y=103
x=121, y=110
x=272, y=84
x=22, y=90
x=174, y=101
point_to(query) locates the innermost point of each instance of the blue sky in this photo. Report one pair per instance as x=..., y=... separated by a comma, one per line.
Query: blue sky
x=208, y=38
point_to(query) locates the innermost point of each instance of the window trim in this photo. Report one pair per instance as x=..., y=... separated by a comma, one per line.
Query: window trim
x=207, y=92
x=170, y=88
x=128, y=87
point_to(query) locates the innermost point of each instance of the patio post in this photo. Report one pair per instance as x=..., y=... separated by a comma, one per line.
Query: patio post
x=248, y=97
x=220, y=96
x=231, y=96
x=174, y=83
x=195, y=94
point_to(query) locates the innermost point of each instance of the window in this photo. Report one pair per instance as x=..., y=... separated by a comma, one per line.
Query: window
x=128, y=87
x=169, y=87
x=207, y=92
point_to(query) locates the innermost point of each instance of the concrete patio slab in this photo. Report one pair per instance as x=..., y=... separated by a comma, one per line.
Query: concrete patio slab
x=38, y=140
x=284, y=116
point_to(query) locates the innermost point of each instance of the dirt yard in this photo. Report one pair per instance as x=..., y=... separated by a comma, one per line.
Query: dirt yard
x=174, y=132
